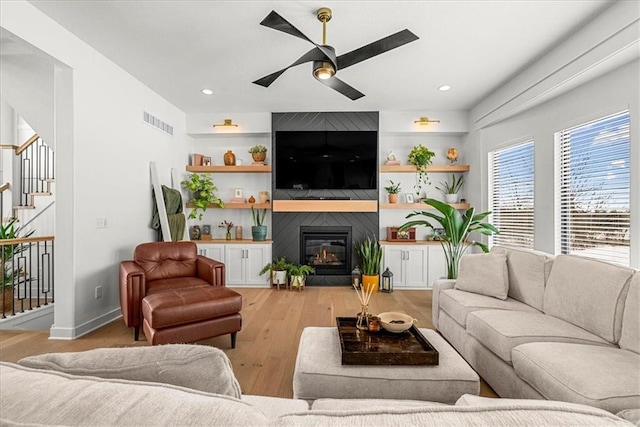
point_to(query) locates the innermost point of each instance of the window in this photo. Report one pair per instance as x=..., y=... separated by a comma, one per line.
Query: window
x=593, y=189
x=511, y=195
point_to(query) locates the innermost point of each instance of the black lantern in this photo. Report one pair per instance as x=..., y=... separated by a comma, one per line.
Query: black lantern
x=387, y=281
x=356, y=277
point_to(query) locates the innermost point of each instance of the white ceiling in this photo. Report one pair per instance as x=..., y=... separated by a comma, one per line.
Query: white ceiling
x=179, y=47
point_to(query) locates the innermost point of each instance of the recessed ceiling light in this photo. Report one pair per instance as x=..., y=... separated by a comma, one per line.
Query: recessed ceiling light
x=207, y=91
x=444, y=88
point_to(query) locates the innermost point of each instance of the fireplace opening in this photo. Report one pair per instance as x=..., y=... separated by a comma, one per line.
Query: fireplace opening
x=327, y=249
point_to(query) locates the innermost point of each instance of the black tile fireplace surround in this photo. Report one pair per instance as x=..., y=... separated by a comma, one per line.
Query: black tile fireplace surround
x=286, y=229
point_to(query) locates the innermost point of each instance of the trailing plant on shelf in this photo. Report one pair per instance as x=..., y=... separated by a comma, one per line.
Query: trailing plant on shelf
x=457, y=227
x=451, y=189
x=420, y=156
x=203, y=194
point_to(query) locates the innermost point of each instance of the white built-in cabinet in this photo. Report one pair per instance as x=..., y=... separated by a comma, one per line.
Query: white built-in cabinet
x=414, y=266
x=243, y=261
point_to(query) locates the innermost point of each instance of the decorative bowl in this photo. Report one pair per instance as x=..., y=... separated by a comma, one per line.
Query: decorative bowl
x=396, y=322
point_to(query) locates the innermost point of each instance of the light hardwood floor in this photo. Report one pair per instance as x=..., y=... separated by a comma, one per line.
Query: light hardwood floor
x=266, y=348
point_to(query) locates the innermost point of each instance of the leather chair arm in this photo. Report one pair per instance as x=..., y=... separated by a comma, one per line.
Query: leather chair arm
x=132, y=290
x=210, y=270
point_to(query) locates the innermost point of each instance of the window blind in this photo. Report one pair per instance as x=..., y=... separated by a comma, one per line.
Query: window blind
x=592, y=189
x=511, y=180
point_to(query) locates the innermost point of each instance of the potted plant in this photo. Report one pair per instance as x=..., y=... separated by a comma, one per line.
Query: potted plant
x=451, y=189
x=370, y=253
x=457, y=227
x=258, y=152
x=277, y=270
x=420, y=156
x=392, y=191
x=203, y=194
x=298, y=275
x=258, y=230
x=10, y=275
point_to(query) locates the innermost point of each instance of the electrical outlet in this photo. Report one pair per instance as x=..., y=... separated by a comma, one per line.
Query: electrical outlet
x=98, y=292
x=101, y=223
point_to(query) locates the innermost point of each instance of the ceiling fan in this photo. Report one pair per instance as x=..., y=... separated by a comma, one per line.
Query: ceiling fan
x=325, y=62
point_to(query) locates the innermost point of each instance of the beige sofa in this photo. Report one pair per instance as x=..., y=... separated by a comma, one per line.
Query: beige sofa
x=194, y=385
x=568, y=329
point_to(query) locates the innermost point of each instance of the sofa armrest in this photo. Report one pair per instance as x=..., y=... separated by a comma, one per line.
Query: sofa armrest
x=439, y=285
x=132, y=290
x=211, y=271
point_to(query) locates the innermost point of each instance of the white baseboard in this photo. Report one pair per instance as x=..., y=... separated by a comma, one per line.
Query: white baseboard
x=72, y=333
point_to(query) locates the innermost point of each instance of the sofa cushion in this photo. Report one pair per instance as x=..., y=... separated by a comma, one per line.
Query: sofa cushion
x=528, y=274
x=631, y=415
x=273, y=407
x=630, y=338
x=502, y=330
x=162, y=285
x=588, y=293
x=542, y=415
x=484, y=274
x=162, y=260
x=194, y=366
x=33, y=396
x=604, y=377
x=458, y=304
x=334, y=404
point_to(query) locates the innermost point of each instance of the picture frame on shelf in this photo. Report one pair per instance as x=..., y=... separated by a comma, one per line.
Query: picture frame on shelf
x=237, y=192
x=206, y=161
x=408, y=197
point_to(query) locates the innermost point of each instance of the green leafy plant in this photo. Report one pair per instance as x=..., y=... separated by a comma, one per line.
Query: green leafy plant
x=258, y=218
x=452, y=187
x=392, y=188
x=300, y=270
x=203, y=192
x=370, y=253
x=457, y=227
x=9, y=231
x=278, y=264
x=258, y=149
x=420, y=156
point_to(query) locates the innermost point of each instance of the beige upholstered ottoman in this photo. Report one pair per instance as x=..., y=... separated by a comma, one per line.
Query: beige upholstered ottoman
x=319, y=373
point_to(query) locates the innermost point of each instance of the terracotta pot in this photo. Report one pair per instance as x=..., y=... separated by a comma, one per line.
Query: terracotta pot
x=369, y=282
x=393, y=198
x=229, y=158
x=259, y=157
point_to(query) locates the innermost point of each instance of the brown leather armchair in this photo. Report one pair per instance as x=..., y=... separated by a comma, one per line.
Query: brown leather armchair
x=177, y=295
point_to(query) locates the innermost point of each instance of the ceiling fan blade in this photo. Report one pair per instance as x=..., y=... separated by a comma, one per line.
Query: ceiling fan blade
x=376, y=48
x=275, y=21
x=340, y=86
x=314, y=54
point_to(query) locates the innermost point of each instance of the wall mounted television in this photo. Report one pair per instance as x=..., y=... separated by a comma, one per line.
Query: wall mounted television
x=326, y=160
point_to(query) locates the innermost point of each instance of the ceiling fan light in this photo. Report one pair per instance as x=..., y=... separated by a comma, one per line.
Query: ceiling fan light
x=323, y=70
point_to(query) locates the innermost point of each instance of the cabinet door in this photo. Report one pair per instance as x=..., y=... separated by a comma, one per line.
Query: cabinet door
x=234, y=265
x=437, y=264
x=213, y=251
x=394, y=259
x=415, y=267
x=256, y=257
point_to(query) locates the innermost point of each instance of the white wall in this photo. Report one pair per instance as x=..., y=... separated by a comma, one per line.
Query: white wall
x=103, y=154
x=616, y=91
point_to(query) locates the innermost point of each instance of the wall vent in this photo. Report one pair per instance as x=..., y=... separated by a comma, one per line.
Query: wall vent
x=157, y=123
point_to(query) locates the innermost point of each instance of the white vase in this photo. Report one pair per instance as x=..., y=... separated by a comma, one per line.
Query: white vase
x=451, y=198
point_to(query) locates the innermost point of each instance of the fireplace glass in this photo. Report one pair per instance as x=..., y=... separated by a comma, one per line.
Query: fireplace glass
x=327, y=249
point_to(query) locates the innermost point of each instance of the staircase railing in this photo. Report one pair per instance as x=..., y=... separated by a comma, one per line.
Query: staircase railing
x=27, y=279
x=4, y=187
x=36, y=169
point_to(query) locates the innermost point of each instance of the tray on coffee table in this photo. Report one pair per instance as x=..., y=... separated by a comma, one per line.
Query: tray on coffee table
x=383, y=347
